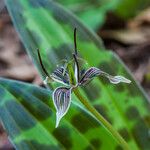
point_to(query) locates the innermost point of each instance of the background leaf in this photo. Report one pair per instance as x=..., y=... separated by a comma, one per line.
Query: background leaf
x=93, y=13
x=48, y=26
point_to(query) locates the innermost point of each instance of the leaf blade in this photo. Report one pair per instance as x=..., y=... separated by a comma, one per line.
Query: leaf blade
x=29, y=119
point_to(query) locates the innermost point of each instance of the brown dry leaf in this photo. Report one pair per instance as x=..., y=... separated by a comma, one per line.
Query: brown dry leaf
x=146, y=81
x=9, y=46
x=137, y=30
x=140, y=72
x=37, y=80
x=14, y=62
x=4, y=19
x=142, y=19
x=139, y=51
x=2, y=5
x=22, y=72
x=128, y=36
x=147, y=74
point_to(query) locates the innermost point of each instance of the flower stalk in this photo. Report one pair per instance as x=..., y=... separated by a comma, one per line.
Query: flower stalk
x=102, y=120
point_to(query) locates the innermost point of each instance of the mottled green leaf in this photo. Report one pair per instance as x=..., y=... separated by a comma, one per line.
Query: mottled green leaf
x=48, y=26
x=28, y=116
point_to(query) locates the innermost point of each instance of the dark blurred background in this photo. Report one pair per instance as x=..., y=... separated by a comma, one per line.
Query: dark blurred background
x=129, y=38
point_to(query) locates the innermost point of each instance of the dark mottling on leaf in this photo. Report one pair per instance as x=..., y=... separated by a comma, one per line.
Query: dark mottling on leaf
x=92, y=91
x=104, y=112
x=132, y=113
x=62, y=134
x=141, y=134
x=114, y=63
x=132, y=87
x=118, y=147
x=35, y=38
x=41, y=94
x=59, y=18
x=37, y=146
x=38, y=3
x=132, y=91
x=52, y=148
x=88, y=148
x=147, y=119
x=62, y=50
x=20, y=9
x=39, y=110
x=83, y=122
x=126, y=100
x=104, y=80
x=107, y=68
x=120, y=87
x=96, y=143
x=104, y=66
x=124, y=133
x=2, y=93
x=20, y=117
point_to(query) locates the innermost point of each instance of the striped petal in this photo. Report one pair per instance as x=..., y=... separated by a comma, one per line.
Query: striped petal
x=62, y=100
x=115, y=79
x=89, y=75
x=60, y=75
x=118, y=79
x=93, y=72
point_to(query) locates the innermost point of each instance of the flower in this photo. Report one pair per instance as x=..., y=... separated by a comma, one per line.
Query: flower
x=71, y=77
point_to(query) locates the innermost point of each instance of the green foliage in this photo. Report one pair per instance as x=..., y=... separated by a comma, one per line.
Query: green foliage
x=130, y=8
x=93, y=12
x=49, y=27
x=28, y=115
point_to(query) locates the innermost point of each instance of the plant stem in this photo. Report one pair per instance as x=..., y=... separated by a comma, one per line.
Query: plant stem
x=103, y=121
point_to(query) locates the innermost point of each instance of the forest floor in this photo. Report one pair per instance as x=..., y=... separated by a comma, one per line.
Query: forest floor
x=130, y=40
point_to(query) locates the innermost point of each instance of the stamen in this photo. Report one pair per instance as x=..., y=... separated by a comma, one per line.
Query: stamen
x=75, y=41
x=41, y=63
